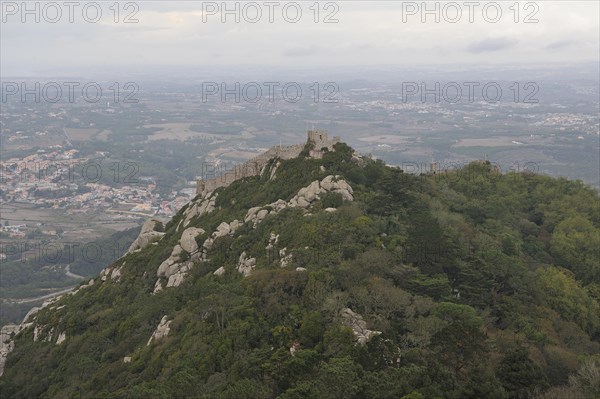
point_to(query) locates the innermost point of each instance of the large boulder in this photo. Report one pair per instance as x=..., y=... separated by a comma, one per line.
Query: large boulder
x=327, y=183
x=200, y=207
x=261, y=215
x=222, y=230
x=233, y=226
x=147, y=235
x=188, y=239
x=312, y=191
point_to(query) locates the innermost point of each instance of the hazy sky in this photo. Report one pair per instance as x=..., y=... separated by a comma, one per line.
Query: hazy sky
x=191, y=33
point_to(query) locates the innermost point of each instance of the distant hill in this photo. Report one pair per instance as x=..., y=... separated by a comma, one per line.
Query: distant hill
x=336, y=277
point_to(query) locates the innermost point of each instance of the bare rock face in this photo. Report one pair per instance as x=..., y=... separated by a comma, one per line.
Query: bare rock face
x=251, y=214
x=358, y=325
x=308, y=195
x=304, y=199
x=188, y=239
x=148, y=234
x=233, y=226
x=261, y=215
x=246, y=264
x=61, y=338
x=157, y=287
x=200, y=207
x=178, y=277
x=327, y=183
x=115, y=275
x=273, y=241
x=6, y=343
x=162, y=330
x=220, y=271
x=166, y=267
x=284, y=258
x=255, y=215
x=279, y=205
x=274, y=170
x=222, y=230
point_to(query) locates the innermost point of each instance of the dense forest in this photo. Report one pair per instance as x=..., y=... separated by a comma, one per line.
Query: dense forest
x=472, y=284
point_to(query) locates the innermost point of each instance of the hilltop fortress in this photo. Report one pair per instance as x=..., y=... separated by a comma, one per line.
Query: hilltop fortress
x=254, y=166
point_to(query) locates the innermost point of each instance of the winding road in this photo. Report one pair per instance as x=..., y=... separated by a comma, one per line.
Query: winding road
x=72, y=275
x=39, y=298
x=68, y=273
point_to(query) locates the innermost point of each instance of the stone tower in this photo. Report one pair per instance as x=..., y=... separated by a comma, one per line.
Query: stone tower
x=320, y=139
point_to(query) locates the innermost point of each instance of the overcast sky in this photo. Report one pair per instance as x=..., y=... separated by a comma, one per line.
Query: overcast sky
x=172, y=33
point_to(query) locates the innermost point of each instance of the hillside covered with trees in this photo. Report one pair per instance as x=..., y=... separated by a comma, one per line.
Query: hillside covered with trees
x=466, y=284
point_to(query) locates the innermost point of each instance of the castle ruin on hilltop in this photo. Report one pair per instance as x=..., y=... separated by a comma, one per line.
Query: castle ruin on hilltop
x=253, y=167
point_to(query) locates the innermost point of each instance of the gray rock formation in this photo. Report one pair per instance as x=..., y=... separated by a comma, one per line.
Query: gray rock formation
x=246, y=264
x=147, y=235
x=199, y=207
x=6, y=343
x=358, y=325
x=188, y=239
x=61, y=338
x=162, y=330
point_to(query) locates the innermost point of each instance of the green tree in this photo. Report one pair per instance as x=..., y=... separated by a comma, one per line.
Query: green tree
x=520, y=376
x=461, y=341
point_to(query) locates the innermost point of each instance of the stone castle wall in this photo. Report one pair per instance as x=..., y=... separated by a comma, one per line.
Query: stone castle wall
x=321, y=140
x=254, y=166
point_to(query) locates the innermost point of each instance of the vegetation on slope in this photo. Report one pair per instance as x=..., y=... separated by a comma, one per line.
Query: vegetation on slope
x=482, y=286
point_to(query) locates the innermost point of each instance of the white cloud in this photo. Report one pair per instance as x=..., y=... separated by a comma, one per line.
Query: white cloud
x=368, y=32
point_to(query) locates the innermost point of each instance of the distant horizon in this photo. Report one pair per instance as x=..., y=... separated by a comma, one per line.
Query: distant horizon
x=426, y=68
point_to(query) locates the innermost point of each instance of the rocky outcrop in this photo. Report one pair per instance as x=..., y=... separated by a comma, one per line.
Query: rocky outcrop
x=304, y=199
x=255, y=215
x=175, y=268
x=284, y=258
x=274, y=170
x=187, y=242
x=308, y=195
x=246, y=264
x=6, y=343
x=147, y=235
x=273, y=241
x=200, y=207
x=162, y=330
x=358, y=325
x=61, y=338
x=116, y=274
x=8, y=331
x=181, y=260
